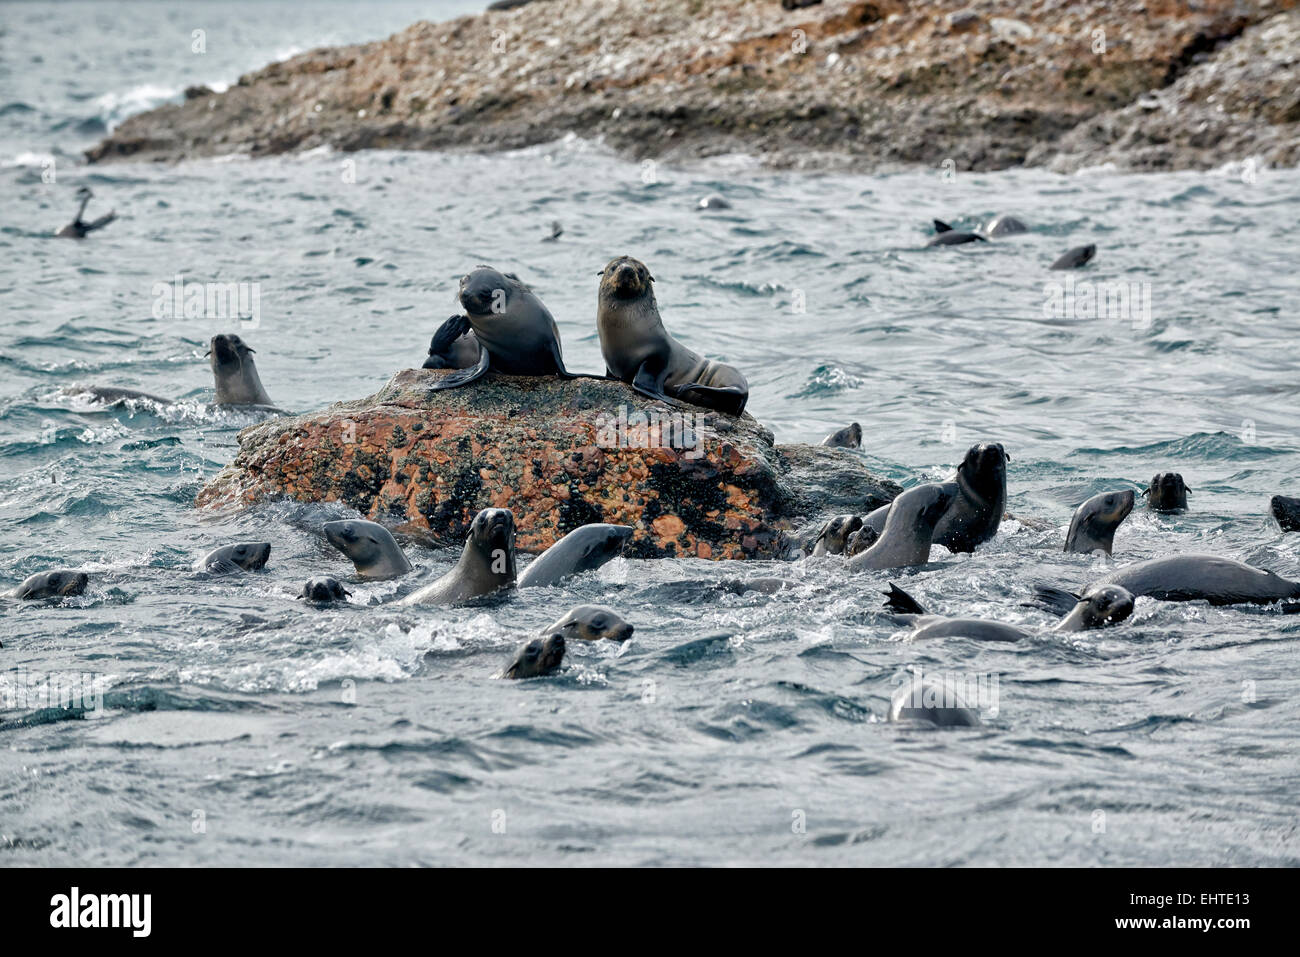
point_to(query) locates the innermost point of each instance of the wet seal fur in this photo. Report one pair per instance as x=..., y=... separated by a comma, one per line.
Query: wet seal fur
x=583, y=549
x=947, y=236
x=57, y=583
x=1167, y=493
x=1094, y=522
x=536, y=658
x=935, y=702
x=516, y=334
x=1076, y=257
x=638, y=349
x=235, y=372
x=834, y=536
x=1105, y=605
x=1211, y=578
x=248, y=556
x=371, y=547
x=592, y=623
x=323, y=591
x=487, y=563
x=849, y=437
x=1286, y=511
x=453, y=347
x=909, y=528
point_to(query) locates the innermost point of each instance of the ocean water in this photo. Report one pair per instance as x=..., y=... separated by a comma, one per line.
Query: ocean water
x=236, y=726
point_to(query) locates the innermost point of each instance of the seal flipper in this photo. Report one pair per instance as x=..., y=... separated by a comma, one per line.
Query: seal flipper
x=101, y=222
x=941, y=227
x=464, y=376
x=729, y=399
x=648, y=383
x=1056, y=600
x=897, y=600
x=442, y=341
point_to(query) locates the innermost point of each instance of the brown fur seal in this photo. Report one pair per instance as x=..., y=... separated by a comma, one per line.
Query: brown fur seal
x=248, y=556
x=583, y=549
x=487, y=563
x=1211, y=578
x=1076, y=257
x=834, y=536
x=932, y=701
x=592, y=623
x=78, y=228
x=1103, y=606
x=323, y=591
x=235, y=373
x=639, y=350
x=908, y=528
x=1167, y=493
x=53, y=584
x=453, y=347
x=1094, y=522
x=536, y=658
x=947, y=236
x=372, y=548
x=849, y=437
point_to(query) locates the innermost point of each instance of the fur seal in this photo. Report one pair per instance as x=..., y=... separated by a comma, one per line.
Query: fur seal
x=712, y=202
x=583, y=549
x=372, y=548
x=638, y=349
x=1106, y=605
x=1094, y=522
x=60, y=583
x=592, y=623
x=111, y=395
x=1220, y=581
x=536, y=658
x=1167, y=493
x=834, y=536
x=249, y=556
x=908, y=528
x=1004, y=225
x=322, y=591
x=849, y=437
x=861, y=540
x=78, y=228
x=487, y=563
x=516, y=334
x=1286, y=511
x=1076, y=257
x=947, y=236
x=936, y=702
x=235, y=372
x=453, y=347
x=557, y=230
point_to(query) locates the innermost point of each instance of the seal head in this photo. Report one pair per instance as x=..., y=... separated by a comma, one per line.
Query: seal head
x=1094, y=522
x=60, y=583
x=908, y=528
x=849, y=437
x=486, y=566
x=981, y=486
x=248, y=556
x=834, y=536
x=536, y=658
x=323, y=591
x=592, y=623
x=372, y=548
x=1167, y=493
x=235, y=372
x=583, y=549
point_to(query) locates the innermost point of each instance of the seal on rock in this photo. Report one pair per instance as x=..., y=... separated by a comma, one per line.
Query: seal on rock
x=908, y=528
x=583, y=549
x=592, y=623
x=516, y=334
x=536, y=658
x=372, y=548
x=487, y=563
x=248, y=556
x=59, y=583
x=638, y=349
x=322, y=591
x=1220, y=581
x=1076, y=257
x=1094, y=522
x=1286, y=511
x=1167, y=493
x=235, y=372
x=849, y=437
x=453, y=347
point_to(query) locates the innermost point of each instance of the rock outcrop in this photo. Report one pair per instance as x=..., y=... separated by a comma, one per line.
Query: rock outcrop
x=852, y=84
x=559, y=454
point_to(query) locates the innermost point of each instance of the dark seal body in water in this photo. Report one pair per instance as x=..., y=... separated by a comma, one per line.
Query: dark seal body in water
x=583, y=549
x=1167, y=493
x=1076, y=257
x=1286, y=511
x=60, y=583
x=947, y=236
x=1220, y=581
x=1094, y=522
x=487, y=563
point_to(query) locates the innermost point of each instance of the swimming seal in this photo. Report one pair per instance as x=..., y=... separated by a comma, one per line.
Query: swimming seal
x=908, y=529
x=1167, y=493
x=835, y=534
x=1004, y=225
x=235, y=372
x=1106, y=605
x=110, y=395
x=322, y=591
x=249, y=556
x=1286, y=511
x=536, y=658
x=372, y=548
x=936, y=702
x=453, y=347
x=638, y=349
x=947, y=236
x=1094, y=522
x=861, y=540
x=515, y=332
x=1076, y=257
x=487, y=563
x=583, y=549
x=592, y=623
x=1219, y=581
x=78, y=228
x=60, y=583
x=712, y=202
x=849, y=437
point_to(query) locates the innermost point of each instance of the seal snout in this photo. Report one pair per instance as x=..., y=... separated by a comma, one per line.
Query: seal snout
x=73, y=583
x=483, y=291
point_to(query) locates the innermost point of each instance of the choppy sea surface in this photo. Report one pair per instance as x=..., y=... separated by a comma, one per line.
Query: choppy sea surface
x=237, y=726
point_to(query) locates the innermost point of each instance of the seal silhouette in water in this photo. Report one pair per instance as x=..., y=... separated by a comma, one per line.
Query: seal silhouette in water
x=592, y=623
x=235, y=372
x=487, y=563
x=248, y=556
x=372, y=548
x=908, y=529
x=849, y=437
x=515, y=332
x=323, y=591
x=453, y=346
x=1220, y=581
x=1004, y=225
x=1286, y=511
x=78, y=228
x=638, y=349
x=1167, y=493
x=583, y=549
x=1106, y=605
x=932, y=701
x=947, y=236
x=60, y=583
x=536, y=658
x=1094, y=522
x=1076, y=257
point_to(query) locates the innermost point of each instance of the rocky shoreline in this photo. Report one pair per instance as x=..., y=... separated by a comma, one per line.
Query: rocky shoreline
x=559, y=454
x=844, y=84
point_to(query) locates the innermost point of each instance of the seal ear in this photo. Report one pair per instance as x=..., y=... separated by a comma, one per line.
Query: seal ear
x=1007, y=454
